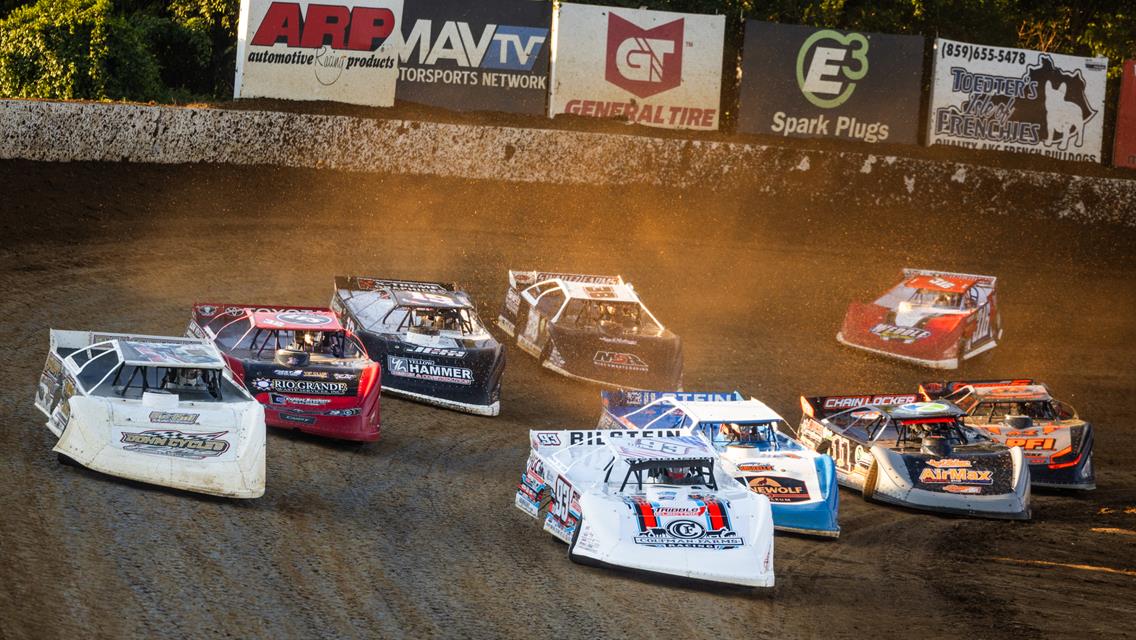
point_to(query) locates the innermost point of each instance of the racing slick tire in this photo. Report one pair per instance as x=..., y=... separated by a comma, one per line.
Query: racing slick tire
x=579, y=559
x=870, y=482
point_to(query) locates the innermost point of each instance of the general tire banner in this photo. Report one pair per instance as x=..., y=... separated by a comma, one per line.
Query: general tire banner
x=1017, y=100
x=489, y=55
x=655, y=68
x=301, y=50
x=1124, y=143
x=821, y=83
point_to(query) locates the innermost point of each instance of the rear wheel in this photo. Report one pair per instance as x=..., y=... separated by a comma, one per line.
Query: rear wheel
x=870, y=481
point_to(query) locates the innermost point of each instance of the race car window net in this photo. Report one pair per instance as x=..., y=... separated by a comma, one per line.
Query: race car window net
x=1035, y=409
x=432, y=320
x=626, y=317
x=673, y=472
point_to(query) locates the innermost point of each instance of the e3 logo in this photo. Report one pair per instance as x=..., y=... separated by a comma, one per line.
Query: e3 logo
x=820, y=65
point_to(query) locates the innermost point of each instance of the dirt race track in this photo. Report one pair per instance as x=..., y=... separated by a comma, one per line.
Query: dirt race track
x=416, y=535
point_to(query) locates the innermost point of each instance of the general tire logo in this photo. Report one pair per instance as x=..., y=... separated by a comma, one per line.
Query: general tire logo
x=168, y=417
x=644, y=61
x=829, y=64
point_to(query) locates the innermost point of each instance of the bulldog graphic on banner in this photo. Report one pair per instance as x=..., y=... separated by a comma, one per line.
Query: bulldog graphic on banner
x=1017, y=100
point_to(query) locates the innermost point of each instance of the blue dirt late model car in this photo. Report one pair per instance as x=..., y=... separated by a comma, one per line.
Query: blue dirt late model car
x=800, y=483
x=591, y=328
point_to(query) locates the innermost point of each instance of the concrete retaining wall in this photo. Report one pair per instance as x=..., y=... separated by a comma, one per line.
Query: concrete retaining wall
x=51, y=131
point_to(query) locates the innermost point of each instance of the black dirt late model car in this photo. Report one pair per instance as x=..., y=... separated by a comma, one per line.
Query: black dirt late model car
x=922, y=455
x=429, y=339
x=591, y=328
x=1058, y=444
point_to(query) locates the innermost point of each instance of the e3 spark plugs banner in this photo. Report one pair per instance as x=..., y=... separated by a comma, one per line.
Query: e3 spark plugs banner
x=810, y=82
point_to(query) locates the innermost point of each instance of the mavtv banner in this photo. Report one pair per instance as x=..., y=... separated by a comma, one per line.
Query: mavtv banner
x=488, y=55
x=304, y=50
x=1017, y=100
x=809, y=82
x=654, y=68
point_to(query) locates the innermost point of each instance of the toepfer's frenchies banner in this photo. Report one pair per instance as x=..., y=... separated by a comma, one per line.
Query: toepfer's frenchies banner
x=821, y=83
x=488, y=55
x=1124, y=143
x=1018, y=100
x=655, y=68
x=341, y=50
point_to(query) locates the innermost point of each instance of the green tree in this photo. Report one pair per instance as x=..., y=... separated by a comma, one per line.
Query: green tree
x=75, y=49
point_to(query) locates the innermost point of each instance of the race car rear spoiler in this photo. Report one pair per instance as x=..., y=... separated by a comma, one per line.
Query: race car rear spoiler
x=525, y=278
x=936, y=390
x=631, y=398
x=366, y=283
x=987, y=281
x=820, y=407
x=205, y=312
x=550, y=441
x=75, y=340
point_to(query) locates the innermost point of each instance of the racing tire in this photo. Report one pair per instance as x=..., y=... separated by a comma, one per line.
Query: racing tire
x=870, y=482
x=66, y=461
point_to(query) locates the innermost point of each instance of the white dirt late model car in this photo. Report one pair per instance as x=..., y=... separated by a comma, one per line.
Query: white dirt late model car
x=649, y=500
x=160, y=410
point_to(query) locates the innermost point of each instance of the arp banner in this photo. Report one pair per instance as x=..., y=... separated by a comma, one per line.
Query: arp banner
x=302, y=50
x=655, y=68
x=1017, y=100
x=822, y=83
x=1124, y=141
x=488, y=55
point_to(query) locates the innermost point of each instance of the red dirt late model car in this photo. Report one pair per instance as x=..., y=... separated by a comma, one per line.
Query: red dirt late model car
x=309, y=372
x=1058, y=444
x=932, y=318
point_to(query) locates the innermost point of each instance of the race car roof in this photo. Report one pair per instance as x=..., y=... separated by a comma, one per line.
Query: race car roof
x=1011, y=393
x=671, y=448
x=726, y=411
x=947, y=283
x=445, y=300
x=188, y=354
x=913, y=410
x=296, y=320
x=621, y=292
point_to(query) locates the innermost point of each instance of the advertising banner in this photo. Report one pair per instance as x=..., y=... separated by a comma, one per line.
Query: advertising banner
x=490, y=55
x=1017, y=100
x=346, y=52
x=654, y=68
x=821, y=83
x=1124, y=141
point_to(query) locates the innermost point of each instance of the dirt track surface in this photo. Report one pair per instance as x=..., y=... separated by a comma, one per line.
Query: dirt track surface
x=416, y=535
